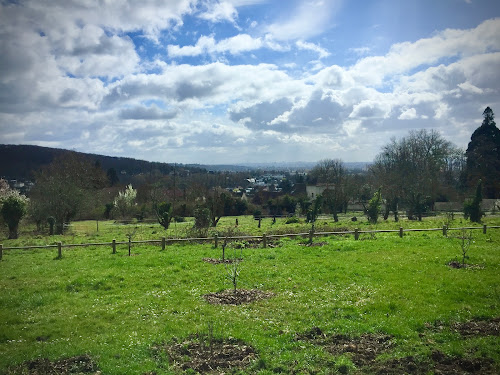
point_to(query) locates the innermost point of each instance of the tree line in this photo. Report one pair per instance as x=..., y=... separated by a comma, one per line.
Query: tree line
x=410, y=174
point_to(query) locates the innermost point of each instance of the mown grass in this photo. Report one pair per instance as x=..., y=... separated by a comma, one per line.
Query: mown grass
x=115, y=307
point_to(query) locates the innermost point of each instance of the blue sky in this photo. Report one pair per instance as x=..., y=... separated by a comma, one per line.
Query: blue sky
x=235, y=81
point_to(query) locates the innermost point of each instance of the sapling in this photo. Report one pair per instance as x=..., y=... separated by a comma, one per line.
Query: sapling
x=130, y=235
x=465, y=242
x=233, y=273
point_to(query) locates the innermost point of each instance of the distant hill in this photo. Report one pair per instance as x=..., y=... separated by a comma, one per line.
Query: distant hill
x=20, y=161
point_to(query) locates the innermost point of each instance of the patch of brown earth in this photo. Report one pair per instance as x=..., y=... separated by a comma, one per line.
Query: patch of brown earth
x=82, y=364
x=489, y=327
x=207, y=356
x=236, y=297
x=444, y=364
x=363, y=349
x=397, y=366
x=456, y=264
x=438, y=364
x=221, y=261
x=320, y=244
x=476, y=327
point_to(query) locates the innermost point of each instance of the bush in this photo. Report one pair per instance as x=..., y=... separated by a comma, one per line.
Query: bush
x=472, y=208
x=373, y=210
x=202, y=220
x=292, y=220
x=13, y=209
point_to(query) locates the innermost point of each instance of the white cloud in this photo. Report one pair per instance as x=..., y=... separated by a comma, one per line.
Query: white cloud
x=309, y=18
x=450, y=43
x=234, y=45
x=408, y=114
x=220, y=11
x=322, y=53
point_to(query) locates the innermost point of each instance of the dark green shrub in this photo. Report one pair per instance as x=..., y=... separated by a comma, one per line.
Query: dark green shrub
x=373, y=209
x=472, y=208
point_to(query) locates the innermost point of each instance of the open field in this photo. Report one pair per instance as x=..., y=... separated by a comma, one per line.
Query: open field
x=390, y=298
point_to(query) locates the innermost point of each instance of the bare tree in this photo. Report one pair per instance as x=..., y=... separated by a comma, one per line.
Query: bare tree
x=409, y=170
x=332, y=174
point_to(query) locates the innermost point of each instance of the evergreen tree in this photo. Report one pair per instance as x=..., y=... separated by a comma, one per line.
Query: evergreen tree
x=483, y=156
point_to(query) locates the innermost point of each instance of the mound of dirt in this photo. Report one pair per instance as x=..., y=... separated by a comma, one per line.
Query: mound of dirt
x=236, y=297
x=207, y=356
x=82, y=364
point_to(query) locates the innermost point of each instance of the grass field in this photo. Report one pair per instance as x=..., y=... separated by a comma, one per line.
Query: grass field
x=117, y=309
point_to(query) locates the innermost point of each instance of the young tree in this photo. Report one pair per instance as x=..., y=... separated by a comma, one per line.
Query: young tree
x=163, y=213
x=483, y=156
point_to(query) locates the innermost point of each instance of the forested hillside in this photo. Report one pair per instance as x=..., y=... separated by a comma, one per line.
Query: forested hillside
x=20, y=161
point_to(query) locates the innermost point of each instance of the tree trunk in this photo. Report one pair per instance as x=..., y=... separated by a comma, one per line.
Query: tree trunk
x=13, y=232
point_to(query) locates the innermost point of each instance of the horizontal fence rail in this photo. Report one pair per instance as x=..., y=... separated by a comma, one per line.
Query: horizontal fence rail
x=312, y=233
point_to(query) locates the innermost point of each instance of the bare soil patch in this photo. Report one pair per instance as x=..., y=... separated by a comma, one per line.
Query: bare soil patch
x=236, y=297
x=438, y=363
x=476, y=327
x=82, y=364
x=457, y=265
x=444, y=364
x=207, y=356
x=315, y=244
x=490, y=327
x=363, y=349
x=221, y=261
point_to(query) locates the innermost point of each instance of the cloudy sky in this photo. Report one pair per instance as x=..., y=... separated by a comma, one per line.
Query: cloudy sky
x=234, y=81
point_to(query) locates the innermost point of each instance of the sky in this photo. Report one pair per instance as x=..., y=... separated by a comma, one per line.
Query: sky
x=239, y=81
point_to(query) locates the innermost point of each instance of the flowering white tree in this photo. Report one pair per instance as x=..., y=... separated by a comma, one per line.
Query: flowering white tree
x=125, y=201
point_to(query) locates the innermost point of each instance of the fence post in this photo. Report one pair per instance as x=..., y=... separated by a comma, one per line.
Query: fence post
x=264, y=240
x=356, y=234
x=1, y=251
x=216, y=239
x=59, y=250
x=113, y=244
x=401, y=232
x=311, y=234
x=163, y=243
x=484, y=229
x=445, y=230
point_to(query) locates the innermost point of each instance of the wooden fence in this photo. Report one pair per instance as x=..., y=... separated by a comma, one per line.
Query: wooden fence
x=264, y=238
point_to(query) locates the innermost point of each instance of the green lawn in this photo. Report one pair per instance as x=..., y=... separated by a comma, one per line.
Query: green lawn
x=115, y=308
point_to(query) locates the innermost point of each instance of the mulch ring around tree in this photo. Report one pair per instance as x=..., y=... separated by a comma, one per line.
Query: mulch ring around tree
x=363, y=349
x=206, y=356
x=82, y=364
x=456, y=264
x=221, y=261
x=236, y=297
x=438, y=363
